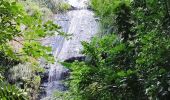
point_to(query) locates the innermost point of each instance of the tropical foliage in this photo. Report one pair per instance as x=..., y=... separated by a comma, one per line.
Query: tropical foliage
x=131, y=61
x=21, y=34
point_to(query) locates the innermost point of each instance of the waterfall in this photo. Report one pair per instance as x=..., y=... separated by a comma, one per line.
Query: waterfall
x=82, y=25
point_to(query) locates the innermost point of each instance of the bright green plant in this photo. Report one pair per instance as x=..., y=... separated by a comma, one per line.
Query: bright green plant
x=11, y=92
x=134, y=65
x=106, y=10
x=152, y=62
x=25, y=32
x=64, y=6
x=103, y=76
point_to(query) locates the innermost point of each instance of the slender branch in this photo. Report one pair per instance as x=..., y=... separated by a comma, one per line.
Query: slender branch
x=18, y=41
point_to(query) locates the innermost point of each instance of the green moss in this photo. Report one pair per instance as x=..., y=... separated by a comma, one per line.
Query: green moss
x=64, y=6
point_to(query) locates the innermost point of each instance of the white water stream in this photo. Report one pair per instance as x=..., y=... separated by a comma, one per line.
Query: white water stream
x=82, y=25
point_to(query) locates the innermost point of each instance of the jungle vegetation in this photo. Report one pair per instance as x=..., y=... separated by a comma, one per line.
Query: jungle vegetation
x=129, y=60
x=21, y=31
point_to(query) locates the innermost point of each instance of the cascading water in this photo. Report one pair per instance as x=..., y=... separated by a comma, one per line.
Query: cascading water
x=82, y=25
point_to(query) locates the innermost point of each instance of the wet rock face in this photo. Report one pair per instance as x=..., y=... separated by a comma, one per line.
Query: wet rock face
x=72, y=59
x=73, y=8
x=80, y=23
x=42, y=92
x=44, y=77
x=65, y=74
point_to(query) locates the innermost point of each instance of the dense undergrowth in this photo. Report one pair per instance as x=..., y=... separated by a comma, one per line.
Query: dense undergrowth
x=21, y=31
x=45, y=7
x=131, y=60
